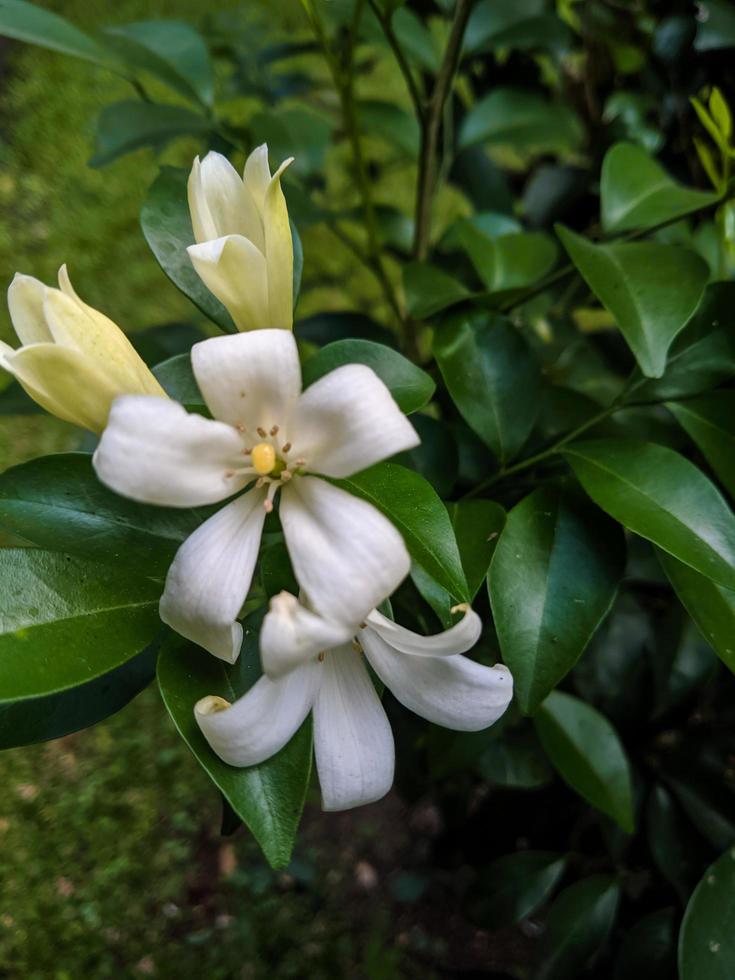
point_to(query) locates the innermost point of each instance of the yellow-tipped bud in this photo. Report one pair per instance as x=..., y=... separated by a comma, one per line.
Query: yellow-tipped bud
x=264, y=458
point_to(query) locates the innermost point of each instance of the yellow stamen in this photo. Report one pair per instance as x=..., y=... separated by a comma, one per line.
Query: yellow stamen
x=264, y=458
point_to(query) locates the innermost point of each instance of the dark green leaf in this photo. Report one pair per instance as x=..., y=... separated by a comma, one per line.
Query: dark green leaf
x=413, y=506
x=586, y=752
x=635, y=192
x=710, y=421
x=485, y=362
x=515, y=760
x=514, y=887
x=392, y=124
x=411, y=387
x=522, y=120
x=477, y=525
x=436, y=457
x=34, y=25
x=126, y=126
x=677, y=852
x=553, y=578
x=58, y=503
x=524, y=25
x=649, y=949
x=176, y=377
x=508, y=261
x=268, y=797
x=166, y=225
x=65, y=621
x=663, y=497
x=633, y=282
x=707, y=936
x=578, y=925
x=15, y=401
x=430, y=290
x=276, y=571
x=716, y=27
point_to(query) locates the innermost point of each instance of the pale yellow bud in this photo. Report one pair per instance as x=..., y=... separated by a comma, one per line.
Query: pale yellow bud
x=73, y=360
x=243, y=251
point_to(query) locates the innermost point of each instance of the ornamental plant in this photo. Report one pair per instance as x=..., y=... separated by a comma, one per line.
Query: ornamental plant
x=474, y=538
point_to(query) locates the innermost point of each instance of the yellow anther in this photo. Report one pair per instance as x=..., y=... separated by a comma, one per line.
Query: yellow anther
x=264, y=458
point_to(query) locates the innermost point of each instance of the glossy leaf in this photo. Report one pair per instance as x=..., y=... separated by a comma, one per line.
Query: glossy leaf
x=41, y=719
x=635, y=192
x=710, y=421
x=429, y=289
x=485, y=362
x=633, y=282
x=508, y=261
x=710, y=605
x=649, y=949
x=34, y=25
x=58, y=503
x=477, y=526
x=663, y=497
x=585, y=750
x=411, y=387
x=166, y=225
x=515, y=760
x=414, y=507
x=65, y=621
x=707, y=936
x=176, y=377
x=577, y=927
x=523, y=120
x=514, y=887
x=268, y=797
x=676, y=851
x=126, y=126
x=553, y=578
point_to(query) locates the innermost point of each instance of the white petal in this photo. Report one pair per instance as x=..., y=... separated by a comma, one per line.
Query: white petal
x=219, y=204
x=257, y=174
x=234, y=270
x=249, y=379
x=154, y=451
x=458, y=639
x=455, y=692
x=261, y=722
x=353, y=743
x=210, y=577
x=25, y=303
x=291, y=634
x=278, y=252
x=347, y=557
x=348, y=420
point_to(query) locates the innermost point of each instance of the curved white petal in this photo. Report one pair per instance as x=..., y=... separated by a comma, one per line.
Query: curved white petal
x=25, y=303
x=257, y=174
x=347, y=557
x=458, y=639
x=219, y=204
x=455, y=692
x=278, y=252
x=234, y=270
x=353, y=743
x=291, y=634
x=348, y=420
x=210, y=576
x=249, y=379
x=262, y=721
x=154, y=451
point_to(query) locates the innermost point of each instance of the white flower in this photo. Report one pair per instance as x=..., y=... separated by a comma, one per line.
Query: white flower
x=353, y=742
x=73, y=360
x=244, y=252
x=345, y=554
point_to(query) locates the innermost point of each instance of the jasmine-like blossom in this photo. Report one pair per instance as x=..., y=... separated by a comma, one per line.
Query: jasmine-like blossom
x=346, y=555
x=313, y=664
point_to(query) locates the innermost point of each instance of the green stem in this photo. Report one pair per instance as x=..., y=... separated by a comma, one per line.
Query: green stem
x=384, y=19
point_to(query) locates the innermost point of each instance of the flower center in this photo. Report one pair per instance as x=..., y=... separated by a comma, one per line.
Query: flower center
x=268, y=461
x=264, y=458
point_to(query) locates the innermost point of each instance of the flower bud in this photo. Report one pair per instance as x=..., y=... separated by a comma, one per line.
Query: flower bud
x=73, y=360
x=244, y=252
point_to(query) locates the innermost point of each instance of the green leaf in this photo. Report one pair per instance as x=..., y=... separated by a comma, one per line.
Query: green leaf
x=41, y=719
x=34, y=25
x=411, y=387
x=633, y=282
x=477, y=526
x=515, y=760
x=171, y=51
x=508, y=261
x=415, y=39
x=711, y=607
x=523, y=120
x=176, y=377
x=649, y=949
x=716, y=26
x=430, y=290
x=585, y=750
x=676, y=852
x=166, y=225
x=553, y=579
x=663, y=497
x=703, y=354
x=635, y=192
x=485, y=362
x=710, y=421
x=269, y=797
x=58, y=503
x=126, y=126
x=15, y=401
x=577, y=926
x=707, y=936
x=413, y=506
x=514, y=887
x=392, y=124
x=510, y=24
x=65, y=621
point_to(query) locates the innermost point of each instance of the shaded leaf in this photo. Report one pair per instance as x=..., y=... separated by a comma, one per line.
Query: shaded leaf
x=430, y=290
x=523, y=120
x=514, y=887
x=707, y=936
x=710, y=421
x=126, y=126
x=477, y=526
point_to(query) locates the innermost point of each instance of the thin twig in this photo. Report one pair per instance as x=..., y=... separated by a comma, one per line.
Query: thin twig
x=385, y=21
